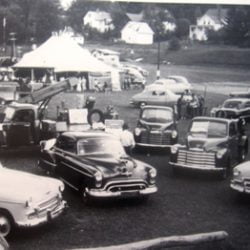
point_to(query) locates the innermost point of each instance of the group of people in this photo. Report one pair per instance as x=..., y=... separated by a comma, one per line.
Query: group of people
x=189, y=105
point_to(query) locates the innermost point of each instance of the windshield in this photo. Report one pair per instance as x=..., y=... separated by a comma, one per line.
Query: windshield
x=208, y=129
x=100, y=145
x=232, y=104
x=157, y=115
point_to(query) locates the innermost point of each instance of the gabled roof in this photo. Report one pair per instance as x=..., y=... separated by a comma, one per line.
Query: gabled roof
x=139, y=27
x=136, y=17
x=218, y=15
x=99, y=15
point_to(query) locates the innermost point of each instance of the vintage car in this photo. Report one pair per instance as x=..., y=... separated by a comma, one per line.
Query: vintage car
x=233, y=108
x=173, y=83
x=212, y=144
x=240, y=181
x=95, y=164
x=156, y=127
x=154, y=97
x=28, y=200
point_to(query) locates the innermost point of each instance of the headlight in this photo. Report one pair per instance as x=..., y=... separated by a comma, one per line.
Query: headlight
x=61, y=187
x=174, y=149
x=137, y=131
x=174, y=134
x=221, y=153
x=98, y=179
x=236, y=173
x=152, y=174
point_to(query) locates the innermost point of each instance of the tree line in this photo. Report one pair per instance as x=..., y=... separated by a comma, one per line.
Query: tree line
x=35, y=20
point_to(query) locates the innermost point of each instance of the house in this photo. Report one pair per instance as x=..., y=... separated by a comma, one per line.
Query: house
x=213, y=19
x=136, y=17
x=100, y=20
x=110, y=57
x=137, y=33
x=69, y=32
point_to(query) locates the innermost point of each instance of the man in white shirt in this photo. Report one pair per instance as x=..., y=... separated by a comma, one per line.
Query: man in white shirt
x=127, y=139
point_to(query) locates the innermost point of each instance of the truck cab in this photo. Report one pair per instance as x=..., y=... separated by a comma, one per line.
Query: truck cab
x=19, y=125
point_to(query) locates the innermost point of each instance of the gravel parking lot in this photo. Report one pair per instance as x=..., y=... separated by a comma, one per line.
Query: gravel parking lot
x=185, y=204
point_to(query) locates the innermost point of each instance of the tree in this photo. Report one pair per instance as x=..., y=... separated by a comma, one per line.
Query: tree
x=182, y=28
x=30, y=18
x=238, y=25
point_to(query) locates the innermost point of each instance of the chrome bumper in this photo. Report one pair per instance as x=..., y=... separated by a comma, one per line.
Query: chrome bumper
x=202, y=168
x=39, y=219
x=98, y=193
x=239, y=186
x=152, y=145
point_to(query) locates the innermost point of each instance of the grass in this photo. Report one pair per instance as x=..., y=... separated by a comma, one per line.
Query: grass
x=190, y=54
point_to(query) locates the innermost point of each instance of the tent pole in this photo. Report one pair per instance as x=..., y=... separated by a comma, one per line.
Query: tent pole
x=32, y=74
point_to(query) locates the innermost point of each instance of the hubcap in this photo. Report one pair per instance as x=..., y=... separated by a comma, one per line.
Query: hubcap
x=4, y=226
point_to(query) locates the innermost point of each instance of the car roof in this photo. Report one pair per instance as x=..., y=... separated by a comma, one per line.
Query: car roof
x=238, y=100
x=87, y=134
x=157, y=107
x=216, y=119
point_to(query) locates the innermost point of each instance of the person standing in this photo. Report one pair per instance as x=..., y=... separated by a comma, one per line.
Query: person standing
x=127, y=139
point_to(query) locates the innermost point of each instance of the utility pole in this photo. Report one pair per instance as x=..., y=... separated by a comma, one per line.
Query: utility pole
x=4, y=35
x=13, y=43
x=158, y=72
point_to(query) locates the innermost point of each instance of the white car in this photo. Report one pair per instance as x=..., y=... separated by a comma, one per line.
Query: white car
x=241, y=178
x=154, y=97
x=28, y=200
x=176, y=84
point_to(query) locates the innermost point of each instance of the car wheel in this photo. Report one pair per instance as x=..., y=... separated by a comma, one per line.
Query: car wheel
x=95, y=115
x=84, y=196
x=5, y=224
x=227, y=171
x=243, y=154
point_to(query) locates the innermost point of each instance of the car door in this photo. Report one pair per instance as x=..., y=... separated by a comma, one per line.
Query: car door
x=20, y=131
x=246, y=112
x=70, y=169
x=233, y=142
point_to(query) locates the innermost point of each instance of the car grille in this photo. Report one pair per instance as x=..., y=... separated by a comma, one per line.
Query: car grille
x=247, y=184
x=49, y=205
x=155, y=138
x=125, y=186
x=196, y=158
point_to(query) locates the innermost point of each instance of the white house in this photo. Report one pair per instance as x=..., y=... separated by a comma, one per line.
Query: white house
x=137, y=33
x=213, y=19
x=99, y=20
x=69, y=32
x=110, y=57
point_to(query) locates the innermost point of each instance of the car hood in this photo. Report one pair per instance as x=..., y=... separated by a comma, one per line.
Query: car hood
x=208, y=144
x=244, y=168
x=110, y=165
x=155, y=126
x=21, y=186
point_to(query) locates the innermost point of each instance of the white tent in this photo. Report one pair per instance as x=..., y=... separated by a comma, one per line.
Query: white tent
x=62, y=54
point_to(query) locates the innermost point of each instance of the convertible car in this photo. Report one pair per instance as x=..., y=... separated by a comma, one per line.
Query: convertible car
x=95, y=164
x=28, y=200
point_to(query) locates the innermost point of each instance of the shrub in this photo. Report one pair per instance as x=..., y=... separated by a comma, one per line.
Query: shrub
x=174, y=44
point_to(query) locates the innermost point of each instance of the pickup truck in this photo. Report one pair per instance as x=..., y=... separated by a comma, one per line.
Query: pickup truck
x=212, y=144
x=22, y=123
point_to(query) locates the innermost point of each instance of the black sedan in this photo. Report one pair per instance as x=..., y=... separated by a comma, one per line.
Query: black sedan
x=95, y=164
x=233, y=108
